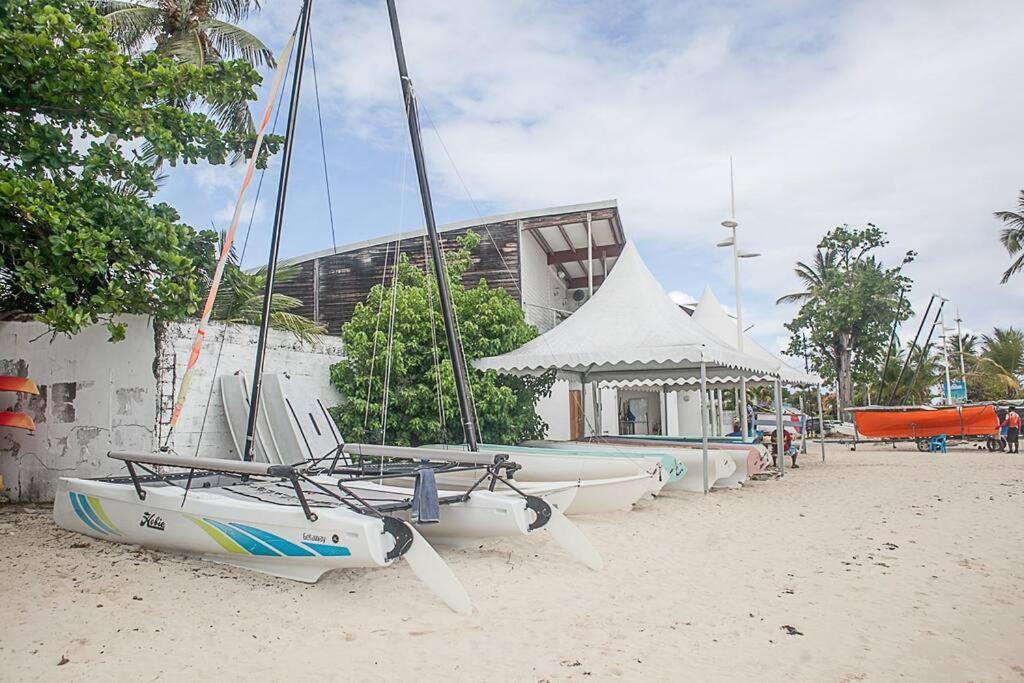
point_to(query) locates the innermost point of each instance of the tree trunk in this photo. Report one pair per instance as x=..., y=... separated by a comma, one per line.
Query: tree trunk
x=845, y=374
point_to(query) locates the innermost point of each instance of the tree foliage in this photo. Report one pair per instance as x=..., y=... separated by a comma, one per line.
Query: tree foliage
x=191, y=32
x=80, y=239
x=490, y=321
x=241, y=295
x=847, y=307
x=1012, y=237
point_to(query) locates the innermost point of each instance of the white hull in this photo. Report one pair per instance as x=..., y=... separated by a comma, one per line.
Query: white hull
x=585, y=497
x=541, y=468
x=272, y=539
x=720, y=466
x=485, y=515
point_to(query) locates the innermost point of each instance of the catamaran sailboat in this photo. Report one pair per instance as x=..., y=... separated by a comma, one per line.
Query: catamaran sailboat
x=282, y=516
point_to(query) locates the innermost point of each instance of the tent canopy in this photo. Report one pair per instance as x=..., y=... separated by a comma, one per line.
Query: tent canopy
x=713, y=317
x=630, y=329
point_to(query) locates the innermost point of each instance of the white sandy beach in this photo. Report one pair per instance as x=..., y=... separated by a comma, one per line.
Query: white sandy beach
x=887, y=563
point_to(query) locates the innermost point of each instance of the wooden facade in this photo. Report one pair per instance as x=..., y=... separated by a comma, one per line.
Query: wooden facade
x=530, y=254
x=330, y=286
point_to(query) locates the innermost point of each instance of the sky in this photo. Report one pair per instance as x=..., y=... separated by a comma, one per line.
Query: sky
x=903, y=114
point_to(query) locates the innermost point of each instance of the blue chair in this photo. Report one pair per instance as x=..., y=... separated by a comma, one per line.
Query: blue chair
x=937, y=444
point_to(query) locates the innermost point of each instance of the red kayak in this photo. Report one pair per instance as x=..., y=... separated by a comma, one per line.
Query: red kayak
x=17, y=420
x=922, y=422
x=20, y=384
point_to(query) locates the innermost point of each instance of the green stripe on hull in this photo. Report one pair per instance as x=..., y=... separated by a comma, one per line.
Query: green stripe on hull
x=217, y=535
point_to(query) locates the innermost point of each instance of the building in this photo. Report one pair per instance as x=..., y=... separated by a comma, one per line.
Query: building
x=541, y=258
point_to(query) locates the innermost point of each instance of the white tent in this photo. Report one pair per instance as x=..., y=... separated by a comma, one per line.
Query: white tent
x=630, y=330
x=710, y=315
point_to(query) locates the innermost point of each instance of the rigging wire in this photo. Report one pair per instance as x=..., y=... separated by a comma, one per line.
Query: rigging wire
x=323, y=144
x=245, y=244
x=442, y=417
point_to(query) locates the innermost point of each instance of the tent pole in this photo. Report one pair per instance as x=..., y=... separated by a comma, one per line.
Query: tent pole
x=704, y=421
x=721, y=412
x=779, y=436
x=821, y=424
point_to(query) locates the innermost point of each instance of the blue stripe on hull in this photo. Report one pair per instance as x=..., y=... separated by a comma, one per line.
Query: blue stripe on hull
x=77, y=504
x=250, y=544
x=329, y=550
x=281, y=545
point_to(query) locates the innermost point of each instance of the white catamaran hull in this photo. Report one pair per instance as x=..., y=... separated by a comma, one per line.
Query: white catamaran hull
x=588, y=496
x=272, y=539
x=485, y=515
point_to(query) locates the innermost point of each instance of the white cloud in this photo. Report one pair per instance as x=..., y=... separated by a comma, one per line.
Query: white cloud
x=903, y=114
x=681, y=298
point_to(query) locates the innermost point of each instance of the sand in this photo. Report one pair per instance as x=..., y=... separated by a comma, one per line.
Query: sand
x=878, y=564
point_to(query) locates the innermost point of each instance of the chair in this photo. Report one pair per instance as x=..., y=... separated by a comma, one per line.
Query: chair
x=937, y=444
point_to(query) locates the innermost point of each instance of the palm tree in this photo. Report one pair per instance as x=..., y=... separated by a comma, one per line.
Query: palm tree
x=813, y=276
x=192, y=32
x=240, y=300
x=1002, y=359
x=1012, y=236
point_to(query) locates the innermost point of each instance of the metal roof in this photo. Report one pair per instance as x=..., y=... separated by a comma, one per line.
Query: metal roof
x=561, y=231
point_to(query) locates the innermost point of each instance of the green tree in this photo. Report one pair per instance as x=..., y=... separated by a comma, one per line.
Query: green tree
x=999, y=368
x=421, y=386
x=847, y=308
x=197, y=32
x=1012, y=236
x=241, y=295
x=918, y=383
x=80, y=239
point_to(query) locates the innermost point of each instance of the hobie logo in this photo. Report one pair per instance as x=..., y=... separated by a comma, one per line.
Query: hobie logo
x=152, y=521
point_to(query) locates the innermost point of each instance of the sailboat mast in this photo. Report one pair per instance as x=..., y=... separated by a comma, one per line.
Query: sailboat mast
x=275, y=240
x=454, y=343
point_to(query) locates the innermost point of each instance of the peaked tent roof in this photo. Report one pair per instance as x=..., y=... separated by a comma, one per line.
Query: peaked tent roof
x=712, y=316
x=629, y=330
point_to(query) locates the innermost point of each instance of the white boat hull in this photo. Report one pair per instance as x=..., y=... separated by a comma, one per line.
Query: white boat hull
x=281, y=542
x=485, y=515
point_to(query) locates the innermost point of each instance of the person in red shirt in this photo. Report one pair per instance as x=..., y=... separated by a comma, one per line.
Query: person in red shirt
x=1013, y=430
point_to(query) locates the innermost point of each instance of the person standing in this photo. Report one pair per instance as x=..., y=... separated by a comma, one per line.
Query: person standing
x=1013, y=430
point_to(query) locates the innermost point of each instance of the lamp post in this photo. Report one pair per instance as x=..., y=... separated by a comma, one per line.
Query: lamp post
x=737, y=254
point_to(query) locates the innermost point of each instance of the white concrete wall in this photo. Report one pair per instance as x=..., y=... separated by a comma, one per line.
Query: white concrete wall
x=285, y=353
x=542, y=289
x=555, y=408
x=688, y=412
x=96, y=396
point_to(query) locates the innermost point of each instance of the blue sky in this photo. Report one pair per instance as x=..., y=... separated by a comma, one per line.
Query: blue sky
x=902, y=114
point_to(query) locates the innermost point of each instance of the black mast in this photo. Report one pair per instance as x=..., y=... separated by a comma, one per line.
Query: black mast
x=275, y=240
x=910, y=353
x=892, y=341
x=454, y=344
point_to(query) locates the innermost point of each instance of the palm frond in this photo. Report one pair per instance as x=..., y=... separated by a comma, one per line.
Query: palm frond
x=234, y=42
x=302, y=327
x=131, y=24
x=794, y=298
x=187, y=47
x=233, y=10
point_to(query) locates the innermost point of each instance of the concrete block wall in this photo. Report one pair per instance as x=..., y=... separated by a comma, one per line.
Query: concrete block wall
x=96, y=396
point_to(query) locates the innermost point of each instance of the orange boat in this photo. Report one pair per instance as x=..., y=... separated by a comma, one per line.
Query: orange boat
x=16, y=420
x=20, y=384
x=922, y=422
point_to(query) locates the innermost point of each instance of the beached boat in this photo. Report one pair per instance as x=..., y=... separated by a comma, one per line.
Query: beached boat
x=721, y=466
x=267, y=518
x=751, y=458
x=471, y=512
x=920, y=423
